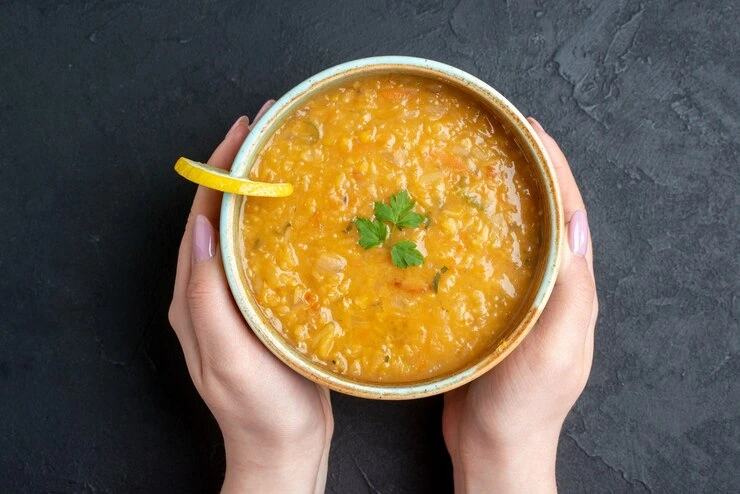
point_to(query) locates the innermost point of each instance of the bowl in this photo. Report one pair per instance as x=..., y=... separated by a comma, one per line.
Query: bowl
x=544, y=275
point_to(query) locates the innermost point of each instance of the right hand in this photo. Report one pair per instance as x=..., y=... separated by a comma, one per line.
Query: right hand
x=502, y=430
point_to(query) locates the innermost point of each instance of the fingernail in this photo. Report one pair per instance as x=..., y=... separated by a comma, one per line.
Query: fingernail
x=236, y=124
x=203, y=241
x=536, y=124
x=263, y=110
x=578, y=233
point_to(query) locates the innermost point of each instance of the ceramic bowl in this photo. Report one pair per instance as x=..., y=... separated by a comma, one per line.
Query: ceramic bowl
x=232, y=245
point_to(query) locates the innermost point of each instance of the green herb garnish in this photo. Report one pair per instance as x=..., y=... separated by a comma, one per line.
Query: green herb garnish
x=399, y=214
x=372, y=233
x=405, y=254
x=435, y=281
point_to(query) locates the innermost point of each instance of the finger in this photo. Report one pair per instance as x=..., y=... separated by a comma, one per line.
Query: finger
x=572, y=200
x=179, y=313
x=454, y=401
x=223, y=337
x=569, y=192
x=569, y=312
x=262, y=111
x=589, y=346
x=179, y=317
x=208, y=201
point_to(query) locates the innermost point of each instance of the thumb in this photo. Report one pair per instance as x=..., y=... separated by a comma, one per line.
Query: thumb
x=217, y=322
x=566, y=321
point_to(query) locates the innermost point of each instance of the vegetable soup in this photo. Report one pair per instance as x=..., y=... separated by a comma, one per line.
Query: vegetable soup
x=411, y=238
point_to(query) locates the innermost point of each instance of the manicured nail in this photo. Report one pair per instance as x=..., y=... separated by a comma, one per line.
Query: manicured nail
x=578, y=233
x=203, y=242
x=263, y=110
x=237, y=123
x=536, y=124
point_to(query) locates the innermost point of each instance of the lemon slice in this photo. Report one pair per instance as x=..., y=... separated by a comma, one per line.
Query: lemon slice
x=215, y=178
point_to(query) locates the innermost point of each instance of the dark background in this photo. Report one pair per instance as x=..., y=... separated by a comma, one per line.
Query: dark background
x=98, y=99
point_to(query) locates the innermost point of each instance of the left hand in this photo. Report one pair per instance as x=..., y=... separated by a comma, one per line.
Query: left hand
x=277, y=426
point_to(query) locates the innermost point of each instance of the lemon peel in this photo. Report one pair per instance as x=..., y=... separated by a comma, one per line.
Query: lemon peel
x=218, y=179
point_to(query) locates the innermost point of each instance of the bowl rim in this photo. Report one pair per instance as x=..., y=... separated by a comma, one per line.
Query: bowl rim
x=231, y=210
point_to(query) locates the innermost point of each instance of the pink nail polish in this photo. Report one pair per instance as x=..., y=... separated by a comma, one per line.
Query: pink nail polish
x=578, y=233
x=536, y=124
x=203, y=241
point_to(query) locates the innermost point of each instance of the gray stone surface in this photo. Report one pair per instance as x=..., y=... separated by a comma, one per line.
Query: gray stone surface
x=97, y=100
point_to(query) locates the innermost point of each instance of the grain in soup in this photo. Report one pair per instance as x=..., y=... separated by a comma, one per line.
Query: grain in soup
x=352, y=309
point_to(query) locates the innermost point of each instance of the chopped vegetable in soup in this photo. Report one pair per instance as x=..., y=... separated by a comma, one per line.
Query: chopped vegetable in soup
x=412, y=235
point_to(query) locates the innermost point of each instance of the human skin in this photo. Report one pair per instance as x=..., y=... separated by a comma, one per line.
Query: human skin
x=276, y=425
x=502, y=430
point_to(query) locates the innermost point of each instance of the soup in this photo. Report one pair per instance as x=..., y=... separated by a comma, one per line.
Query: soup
x=412, y=235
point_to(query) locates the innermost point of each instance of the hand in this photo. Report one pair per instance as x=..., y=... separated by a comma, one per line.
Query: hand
x=502, y=430
x=276, y=425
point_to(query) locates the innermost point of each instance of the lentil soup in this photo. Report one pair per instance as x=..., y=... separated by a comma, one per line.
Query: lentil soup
x=352, y=308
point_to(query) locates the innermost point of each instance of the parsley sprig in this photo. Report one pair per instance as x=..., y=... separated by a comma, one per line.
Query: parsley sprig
x=405, y=254
x=399, y=213
x=372, y=233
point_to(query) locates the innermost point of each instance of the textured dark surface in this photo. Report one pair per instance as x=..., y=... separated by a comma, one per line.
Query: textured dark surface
x=97, y=99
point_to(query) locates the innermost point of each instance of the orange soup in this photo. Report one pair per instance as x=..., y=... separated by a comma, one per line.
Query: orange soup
x=412, y=235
